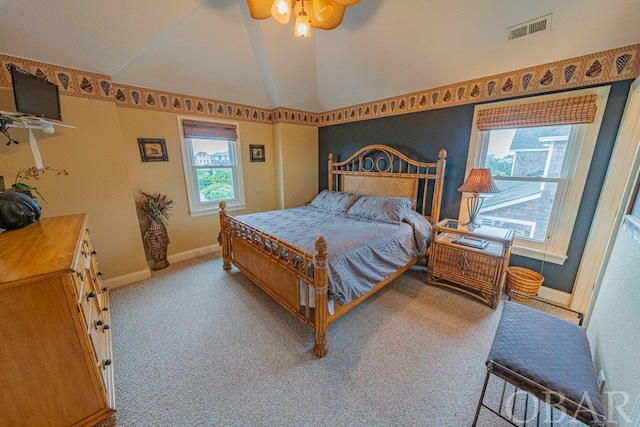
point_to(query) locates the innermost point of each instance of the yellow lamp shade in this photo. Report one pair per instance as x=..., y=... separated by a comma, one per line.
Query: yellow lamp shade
x=322, y=9
x=281, y=11
x=346, y=2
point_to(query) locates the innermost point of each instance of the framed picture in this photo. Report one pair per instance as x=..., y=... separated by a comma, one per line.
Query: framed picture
x=257, y=153
x=153, y=150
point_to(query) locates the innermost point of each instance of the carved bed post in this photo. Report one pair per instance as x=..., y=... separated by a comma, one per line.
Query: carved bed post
x=321, y=286
x=330, y=172
x=437, y=191
x=224, y=238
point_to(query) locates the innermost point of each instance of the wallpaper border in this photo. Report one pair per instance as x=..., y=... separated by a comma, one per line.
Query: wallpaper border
x=589, y=70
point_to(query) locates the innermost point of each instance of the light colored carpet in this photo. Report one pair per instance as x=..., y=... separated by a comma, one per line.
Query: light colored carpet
x=198, y=346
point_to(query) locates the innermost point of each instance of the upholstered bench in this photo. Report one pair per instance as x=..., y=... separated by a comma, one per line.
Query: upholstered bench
x=548, y=358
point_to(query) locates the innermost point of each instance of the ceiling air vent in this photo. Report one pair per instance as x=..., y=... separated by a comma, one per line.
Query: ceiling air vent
x=528, y=28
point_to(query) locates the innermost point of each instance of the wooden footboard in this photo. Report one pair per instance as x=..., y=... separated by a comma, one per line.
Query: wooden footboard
x=277, y=267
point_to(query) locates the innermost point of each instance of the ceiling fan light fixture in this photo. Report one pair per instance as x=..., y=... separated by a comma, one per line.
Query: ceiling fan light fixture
x=302, y=28
x=320, y=14
x=281, y=11
x=322, y=9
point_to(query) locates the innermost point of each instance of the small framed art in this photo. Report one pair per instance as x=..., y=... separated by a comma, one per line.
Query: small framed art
x=153, y=150
x=257, y=153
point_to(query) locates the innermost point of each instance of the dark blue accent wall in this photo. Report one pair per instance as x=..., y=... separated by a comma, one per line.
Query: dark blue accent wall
x=421, y=135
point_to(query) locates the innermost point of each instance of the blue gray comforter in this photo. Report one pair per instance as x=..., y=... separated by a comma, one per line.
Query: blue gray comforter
x=361, y=252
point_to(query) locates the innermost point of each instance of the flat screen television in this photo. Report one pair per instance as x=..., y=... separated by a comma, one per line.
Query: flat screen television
x=35, y=96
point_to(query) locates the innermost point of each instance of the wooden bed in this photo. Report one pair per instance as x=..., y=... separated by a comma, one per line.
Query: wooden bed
x=278, y=267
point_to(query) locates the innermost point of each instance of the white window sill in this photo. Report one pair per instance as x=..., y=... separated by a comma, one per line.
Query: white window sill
x=216, y=209
x=549, y=256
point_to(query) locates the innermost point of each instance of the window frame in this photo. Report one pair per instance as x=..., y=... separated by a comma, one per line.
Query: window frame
x=567, y=200
x=196, y=206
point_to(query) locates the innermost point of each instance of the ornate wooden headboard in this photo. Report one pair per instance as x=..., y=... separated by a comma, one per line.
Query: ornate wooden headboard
x=379, y=170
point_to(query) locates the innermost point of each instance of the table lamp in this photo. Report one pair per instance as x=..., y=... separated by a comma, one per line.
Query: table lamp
x=478, y=181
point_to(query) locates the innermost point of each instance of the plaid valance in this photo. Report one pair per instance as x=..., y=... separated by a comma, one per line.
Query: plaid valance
x=208, y=130
x=577, y=110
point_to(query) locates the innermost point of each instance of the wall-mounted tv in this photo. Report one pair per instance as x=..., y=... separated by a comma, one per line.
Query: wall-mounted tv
x=34, y=95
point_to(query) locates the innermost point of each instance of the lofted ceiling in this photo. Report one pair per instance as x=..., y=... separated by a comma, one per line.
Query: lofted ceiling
x=383, y=48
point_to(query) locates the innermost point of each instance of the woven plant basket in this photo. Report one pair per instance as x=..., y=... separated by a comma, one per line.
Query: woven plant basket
x=523, y=280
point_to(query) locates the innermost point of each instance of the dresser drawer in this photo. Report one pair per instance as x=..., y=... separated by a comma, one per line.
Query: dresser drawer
x=88, y=300
x=99, y=332
x=77, y=277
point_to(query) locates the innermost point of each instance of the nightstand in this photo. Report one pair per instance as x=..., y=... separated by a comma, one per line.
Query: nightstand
x=470, y=260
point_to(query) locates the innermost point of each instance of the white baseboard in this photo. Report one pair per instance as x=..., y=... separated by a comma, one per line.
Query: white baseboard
x=192, y=253
x=555, y=295
x=137, y=276
x=126, y=279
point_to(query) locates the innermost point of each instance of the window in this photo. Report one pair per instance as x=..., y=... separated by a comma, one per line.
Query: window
x=539, y=151
x=212, y=165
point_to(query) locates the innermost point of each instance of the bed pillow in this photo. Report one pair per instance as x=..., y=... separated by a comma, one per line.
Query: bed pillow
x=334, y=201
x=382, y=208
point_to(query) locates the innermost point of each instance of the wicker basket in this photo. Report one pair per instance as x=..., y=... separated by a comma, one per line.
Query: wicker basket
x=523, y=280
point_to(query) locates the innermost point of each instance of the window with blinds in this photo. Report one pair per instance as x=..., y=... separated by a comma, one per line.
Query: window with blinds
x=539, y=151
x=212, y=165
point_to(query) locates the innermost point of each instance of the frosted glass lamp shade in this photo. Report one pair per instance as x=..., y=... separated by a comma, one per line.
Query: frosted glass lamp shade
x=303, y=26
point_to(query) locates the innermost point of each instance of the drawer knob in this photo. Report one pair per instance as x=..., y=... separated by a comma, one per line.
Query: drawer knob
x=106, y=363
x=98, y=323
x=80, y=275
x=99, y=273
x=105, y=327
x=90, y=295
x=105, y=308
x=93, y=252
x=105, y=288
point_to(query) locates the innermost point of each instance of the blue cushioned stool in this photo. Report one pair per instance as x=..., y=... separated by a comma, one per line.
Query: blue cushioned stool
x=548, y=358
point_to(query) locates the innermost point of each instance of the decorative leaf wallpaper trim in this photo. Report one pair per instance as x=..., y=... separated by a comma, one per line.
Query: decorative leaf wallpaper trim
x=595, y=69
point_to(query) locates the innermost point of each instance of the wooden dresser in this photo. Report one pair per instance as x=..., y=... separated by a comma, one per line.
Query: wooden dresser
x=55, y=337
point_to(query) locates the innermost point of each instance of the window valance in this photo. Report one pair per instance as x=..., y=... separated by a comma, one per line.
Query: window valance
x=209, y=130
x=577, y=110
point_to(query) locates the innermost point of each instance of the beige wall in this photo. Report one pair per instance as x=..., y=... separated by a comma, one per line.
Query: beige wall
x=106, y=171
x=98, y=181
x=297, y=159
x=188, y=233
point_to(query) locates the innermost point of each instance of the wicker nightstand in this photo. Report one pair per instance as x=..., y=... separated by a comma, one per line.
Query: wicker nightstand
x=473, y=261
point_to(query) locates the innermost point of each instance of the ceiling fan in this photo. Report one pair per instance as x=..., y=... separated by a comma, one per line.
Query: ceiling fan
x=322, y=14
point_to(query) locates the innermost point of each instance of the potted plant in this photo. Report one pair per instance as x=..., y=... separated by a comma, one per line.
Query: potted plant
x=155, y=210
x=20, y=185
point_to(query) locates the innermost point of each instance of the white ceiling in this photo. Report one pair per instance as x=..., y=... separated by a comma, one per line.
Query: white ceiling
x=383, y=48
